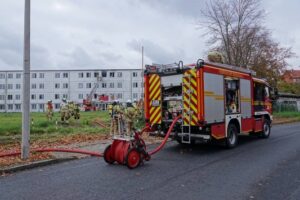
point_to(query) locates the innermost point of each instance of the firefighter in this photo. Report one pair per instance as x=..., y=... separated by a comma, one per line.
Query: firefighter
x=49, y=110
x=110, y=109
x=71, y=108
x=64, y=111
x=215, y=56
x=130, y=115
x=76, y=111
x=117, y=113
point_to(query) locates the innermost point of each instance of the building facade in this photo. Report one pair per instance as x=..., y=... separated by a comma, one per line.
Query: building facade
x=75, y=85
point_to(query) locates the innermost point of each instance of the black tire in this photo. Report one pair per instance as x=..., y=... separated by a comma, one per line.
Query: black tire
x=232, y=136
x=266, y=129
x=108, y=155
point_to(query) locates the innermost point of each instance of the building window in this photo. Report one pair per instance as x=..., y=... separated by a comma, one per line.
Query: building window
x=88, y=74
x=111, y=85
x=96, y=74
x=10, y=97
x=65, y=96
x=41, y=106
x=134, y=74
x=103, y=85
x=95, y=96
x=57, y=86
x=2, y=107
x=135, y=84
x=57, y=106
x=18, y=86
x=33, y=96
x=135, y=95
x=57, y=75
x=2, y=76
x=104, y=74
x=65, y=75
x=112, y=74
x=18, y=75
x=2, y=97
x=10, y=106
x=80, y=96
x=41, y=75
x=119, y=96
x=80, y=85
x=41, y=86
x=33, y=75
x=56, y=96
x=88, y=85
x=119, y=74
x=41, y=96
x=80, y=75
x=18, y=97
x=9, y=86
x=2, y=86
x=10, y=76
x=119, y=85
x=33, y=106
x=65, y=85
x=18, y=106
x=33, y=86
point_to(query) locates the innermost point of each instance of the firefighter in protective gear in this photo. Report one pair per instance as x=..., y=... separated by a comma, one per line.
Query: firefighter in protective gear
x=117, y=112
x=76, y=111
x=71, y=108
x=64, y=111
x=110, y=109
x=215, y=56
x=49, y=110
x=136, y=107
x=130, y=115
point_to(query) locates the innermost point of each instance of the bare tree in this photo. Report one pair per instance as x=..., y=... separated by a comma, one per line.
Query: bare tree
x=235, y=28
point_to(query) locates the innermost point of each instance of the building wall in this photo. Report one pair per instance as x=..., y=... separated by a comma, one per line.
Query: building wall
x=75, y=85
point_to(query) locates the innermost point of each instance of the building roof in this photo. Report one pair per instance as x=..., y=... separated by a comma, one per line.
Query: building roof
x=293, y=73
x=70, y=70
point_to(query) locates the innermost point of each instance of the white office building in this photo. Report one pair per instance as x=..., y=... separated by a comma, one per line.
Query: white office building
x=75, y=85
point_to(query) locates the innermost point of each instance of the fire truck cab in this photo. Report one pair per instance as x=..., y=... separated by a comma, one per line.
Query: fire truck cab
x=216, y=101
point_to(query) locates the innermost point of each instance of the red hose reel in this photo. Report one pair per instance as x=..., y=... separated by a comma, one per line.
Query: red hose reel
x=127, y=151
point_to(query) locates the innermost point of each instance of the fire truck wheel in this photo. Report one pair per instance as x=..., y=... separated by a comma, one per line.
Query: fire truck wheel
x=133, y=158
x=266, y=129
x=108, y=155
x=232, y=136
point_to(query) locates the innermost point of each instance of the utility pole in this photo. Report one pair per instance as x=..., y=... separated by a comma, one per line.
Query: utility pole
x=26, y=85
x=142, y=72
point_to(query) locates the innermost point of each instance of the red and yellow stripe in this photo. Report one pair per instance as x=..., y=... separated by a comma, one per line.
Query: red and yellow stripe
x=190, y=97
x=155, y=95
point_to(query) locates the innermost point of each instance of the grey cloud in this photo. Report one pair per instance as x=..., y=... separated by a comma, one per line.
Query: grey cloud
x=157, y=53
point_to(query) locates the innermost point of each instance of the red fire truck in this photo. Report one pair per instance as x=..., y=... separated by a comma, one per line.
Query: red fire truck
x=216, y=101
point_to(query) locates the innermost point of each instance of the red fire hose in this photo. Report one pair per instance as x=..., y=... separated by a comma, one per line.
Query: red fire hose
x=166, y=137
x=92, y=153
x=55, y=150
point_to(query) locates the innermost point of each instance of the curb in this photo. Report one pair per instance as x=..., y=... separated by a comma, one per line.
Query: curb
x=35, y=165
x=286, y=122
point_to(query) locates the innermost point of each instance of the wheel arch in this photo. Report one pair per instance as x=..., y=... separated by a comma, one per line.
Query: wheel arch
x=236, y=123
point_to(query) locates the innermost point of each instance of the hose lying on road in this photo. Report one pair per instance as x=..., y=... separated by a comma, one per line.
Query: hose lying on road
x=91, y=153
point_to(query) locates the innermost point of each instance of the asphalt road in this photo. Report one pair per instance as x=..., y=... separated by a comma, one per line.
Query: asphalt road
x=256, y=169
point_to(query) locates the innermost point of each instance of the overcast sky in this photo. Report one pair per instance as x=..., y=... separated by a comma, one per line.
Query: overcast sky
x=74, y=34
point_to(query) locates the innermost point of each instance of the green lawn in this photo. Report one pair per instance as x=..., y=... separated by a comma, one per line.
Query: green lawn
x=287, y=115
x=11, y=125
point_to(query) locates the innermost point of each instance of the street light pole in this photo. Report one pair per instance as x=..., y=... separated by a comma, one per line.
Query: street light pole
x=26, y=85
